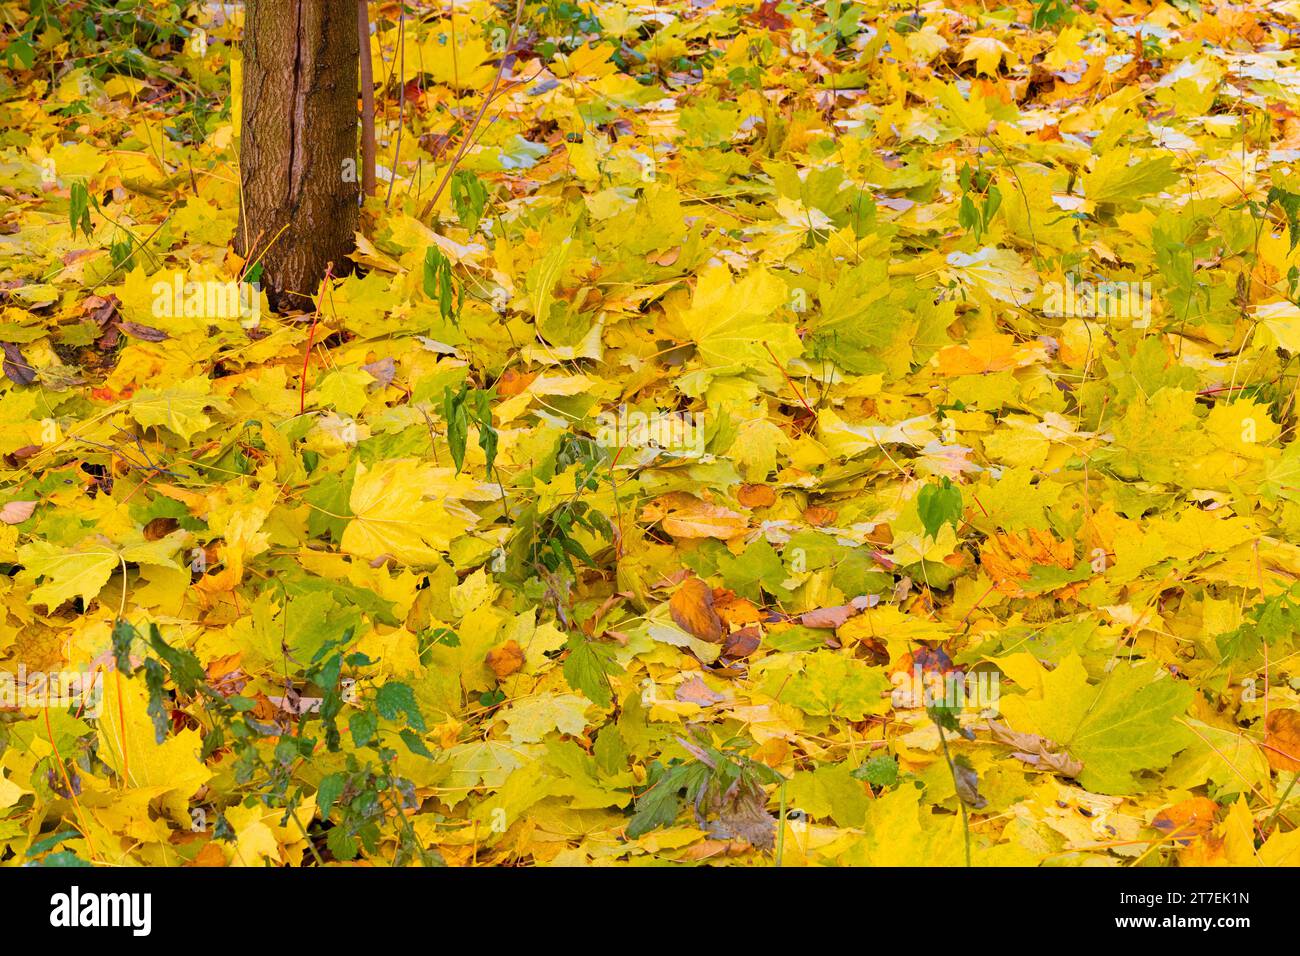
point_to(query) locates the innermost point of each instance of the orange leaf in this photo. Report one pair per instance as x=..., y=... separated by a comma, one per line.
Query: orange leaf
x=733, y=609
x=506, y=659
x=819, y=517
x=685, y=516
x=692, y=609
x=209, y=856
x=512, y=382
x=1191, y=818
x=756, y=496
x=1282, y=743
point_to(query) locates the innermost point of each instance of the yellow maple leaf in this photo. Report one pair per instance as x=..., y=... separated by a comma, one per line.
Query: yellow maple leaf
x=987, y=52
x=735, y=323
x=128, y=745
x=391, y=516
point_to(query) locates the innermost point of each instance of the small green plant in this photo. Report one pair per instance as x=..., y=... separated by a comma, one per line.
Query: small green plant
x=965, y=780
x=460, y=409
x=354, y=804
x=1270, y=621
x=980, y=201
x=361, y=797
x=79, y=209
x=843, y=23
x=440, y=285
x=469, y=198
x=122, y=253
x=1049, y=13
x=554, y=545
x=723, y=786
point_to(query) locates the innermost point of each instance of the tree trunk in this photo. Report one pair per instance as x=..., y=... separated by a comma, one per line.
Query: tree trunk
x=299, y=143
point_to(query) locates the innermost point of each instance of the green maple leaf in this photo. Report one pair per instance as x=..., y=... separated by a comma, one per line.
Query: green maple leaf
x=1118, y=728
x=834, y=686
x=586, y=668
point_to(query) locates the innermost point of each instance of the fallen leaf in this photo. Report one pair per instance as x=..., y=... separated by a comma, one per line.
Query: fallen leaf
x=505, y=660
x=1282, y=742
x=756, y=496
x=692, y=608
x=695, y=691
x=16, y=512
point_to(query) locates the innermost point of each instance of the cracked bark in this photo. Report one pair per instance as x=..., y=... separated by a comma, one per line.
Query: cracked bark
x=298, y=143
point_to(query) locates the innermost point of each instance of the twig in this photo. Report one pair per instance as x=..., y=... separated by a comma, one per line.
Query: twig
x=780, y=833
x=72, y=794
x=401, y=103
x=961, y=802
x=1280, y=804
x=311, y=334
x=487, y=101
x=790, y=381
x=367, y=101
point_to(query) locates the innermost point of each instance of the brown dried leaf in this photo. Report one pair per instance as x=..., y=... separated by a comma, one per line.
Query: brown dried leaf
x=1035, y=750
x=692, y=608
x=160, y=528
x=1282, y=742
x=16, y=367
x=146, y=333
x=741, y=643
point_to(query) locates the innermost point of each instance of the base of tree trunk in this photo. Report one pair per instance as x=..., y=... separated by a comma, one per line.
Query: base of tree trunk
x=298, y=144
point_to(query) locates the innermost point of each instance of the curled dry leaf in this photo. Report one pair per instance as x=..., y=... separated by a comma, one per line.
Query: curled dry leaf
x=296, y=704
x=16, y=512
x=16, y=368
x=741, y=643
x=835, y=617
x=686, y=516
x=1035, y=750
x=828, y=617
x=100, y=309
x=966, y=781
x=159, y=528
x=146, y=333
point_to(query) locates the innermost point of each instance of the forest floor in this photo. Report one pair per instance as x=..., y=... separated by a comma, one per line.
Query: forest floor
x=804, y=433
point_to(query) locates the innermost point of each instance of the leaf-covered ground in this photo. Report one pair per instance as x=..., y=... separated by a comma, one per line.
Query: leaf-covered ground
x=756, y=360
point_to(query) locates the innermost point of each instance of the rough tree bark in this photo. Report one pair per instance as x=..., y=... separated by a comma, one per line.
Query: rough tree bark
x=299, y=143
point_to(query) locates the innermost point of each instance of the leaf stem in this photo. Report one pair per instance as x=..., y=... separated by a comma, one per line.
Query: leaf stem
x=780, y=833
x=965, y=820
x=1281, y=803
